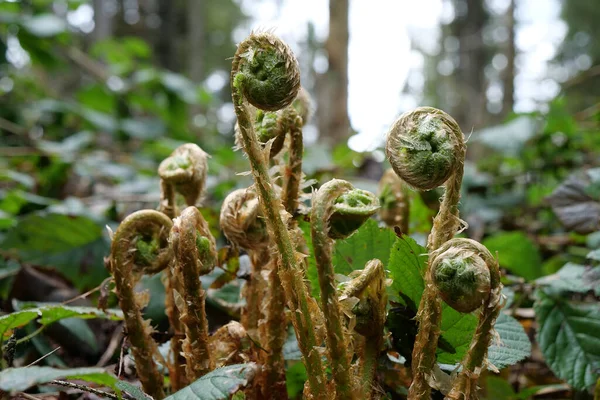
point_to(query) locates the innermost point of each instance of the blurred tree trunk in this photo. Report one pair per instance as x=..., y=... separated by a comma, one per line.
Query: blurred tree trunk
x=468, y=28
x=195, y=23
x=167, y=40
x=103, y=22
x=508, y=100
x=334, y=124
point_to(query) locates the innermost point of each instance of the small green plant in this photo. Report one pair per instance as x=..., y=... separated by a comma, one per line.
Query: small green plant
x=341, y=334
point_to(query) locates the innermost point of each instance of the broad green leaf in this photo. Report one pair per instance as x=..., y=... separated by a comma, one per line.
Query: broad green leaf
x=132, y=390
x=513, y=346
x=351, y=254
x=15, y=320
x=594, y=255
x=295, y=377
x=72, y=244
x=407, y=264
x=528, y=393
x=498, y=388
x=50, y=314
x=576, y=202
x=369, y=242
x=517, y=253
x=572, y=278
x=218, y=384
x=568, y=338
x=19, y=379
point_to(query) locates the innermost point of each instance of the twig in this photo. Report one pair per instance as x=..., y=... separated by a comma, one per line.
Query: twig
x=115, y=340
x=27, y=396
x=12, y=127
x=84, y=388
x=86, y=294
x=44, y=356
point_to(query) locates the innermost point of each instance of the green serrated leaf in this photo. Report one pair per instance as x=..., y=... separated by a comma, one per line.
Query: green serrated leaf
x=517, y=253
x=498, y=388
x=513, y=346
x=351, y=254
x=295, y=377
x=572, y=278
x=568, y=338
x=132, y=390
x=72, y=244
x=408, y=261
x=51, y=314
x=19, y=379
x=219, y=384
x=407, y=264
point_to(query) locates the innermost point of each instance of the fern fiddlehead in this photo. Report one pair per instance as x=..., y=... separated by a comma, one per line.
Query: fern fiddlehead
x=426, y=149
x=140, y=245
x=338, y=210
x=183, y=172
x=467, y=277
x=265, y=74
x=195, y=254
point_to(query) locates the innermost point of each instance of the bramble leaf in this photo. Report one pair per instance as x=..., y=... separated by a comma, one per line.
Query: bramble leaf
x=568, y=338
x=218, y=384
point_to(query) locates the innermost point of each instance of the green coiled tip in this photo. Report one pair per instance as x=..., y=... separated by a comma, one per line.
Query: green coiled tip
x=425, y=146
x=241, y=221
x=350, y=211
x=268, y=74
x=186, y=170
x=461, y=274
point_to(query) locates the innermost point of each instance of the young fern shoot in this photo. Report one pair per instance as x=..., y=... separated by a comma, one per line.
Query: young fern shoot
x=265, y=74
x=140, y=245
x=426, y=149
x=338, y=209
x=195, y=254
x=368, y=290
x=183, y=172
x=243, y=224
x=467, y=277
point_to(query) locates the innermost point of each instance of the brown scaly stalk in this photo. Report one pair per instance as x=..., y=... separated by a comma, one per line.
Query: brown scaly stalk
x=271, y=131
x=368, y=289
x=467, y=277
x=338, y=209
x=140, y=245
x=183, y=172
x=426, y=149
x=242, y=223
x=195, y=255
x=394, y=199
x=177, y=374
x=265, y=74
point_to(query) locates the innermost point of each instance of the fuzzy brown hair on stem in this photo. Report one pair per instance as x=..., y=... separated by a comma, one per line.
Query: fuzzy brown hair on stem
x=195, y=255
x=467, y=277
x=368, y=295
x=338, y=209
x=242, y=223
x=265, y=73
x=394, y=197
x=140, y=245
x=426, y=149
x=183, y=172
